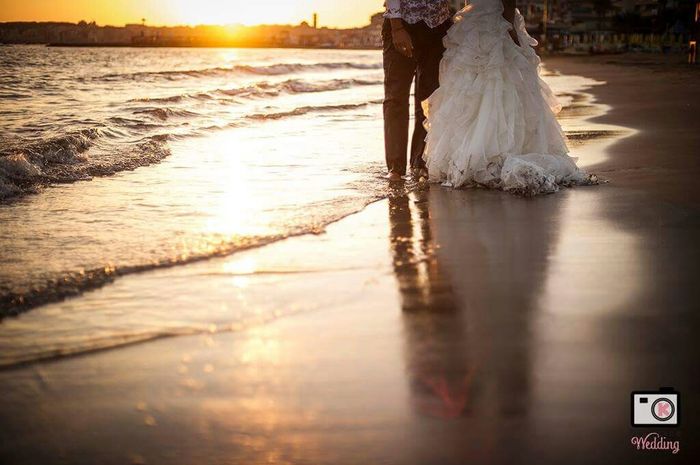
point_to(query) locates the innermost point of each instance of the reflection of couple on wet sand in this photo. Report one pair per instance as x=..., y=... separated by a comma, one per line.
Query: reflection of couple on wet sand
x=483, y=116
x=467, y=316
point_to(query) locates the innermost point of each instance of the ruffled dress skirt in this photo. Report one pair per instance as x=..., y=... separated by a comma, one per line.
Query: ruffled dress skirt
x=492, y=121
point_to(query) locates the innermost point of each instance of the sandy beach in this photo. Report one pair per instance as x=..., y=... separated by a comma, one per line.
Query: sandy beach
x=656, y=96
x=434, y=327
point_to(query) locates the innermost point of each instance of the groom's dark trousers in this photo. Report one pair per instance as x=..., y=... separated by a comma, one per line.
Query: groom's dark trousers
x=399, y=73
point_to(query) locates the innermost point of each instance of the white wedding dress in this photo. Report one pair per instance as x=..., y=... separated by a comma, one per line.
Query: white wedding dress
x=492, y=121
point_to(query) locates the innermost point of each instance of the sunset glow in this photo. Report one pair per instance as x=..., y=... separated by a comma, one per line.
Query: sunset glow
x=170, y=12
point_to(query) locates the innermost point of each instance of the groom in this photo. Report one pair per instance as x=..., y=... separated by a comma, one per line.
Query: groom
x=412, y=36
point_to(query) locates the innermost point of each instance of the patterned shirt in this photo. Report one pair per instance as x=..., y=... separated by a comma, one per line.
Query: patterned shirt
x=433, y=12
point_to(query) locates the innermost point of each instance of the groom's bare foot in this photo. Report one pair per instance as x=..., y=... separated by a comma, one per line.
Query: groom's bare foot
x=393, y=177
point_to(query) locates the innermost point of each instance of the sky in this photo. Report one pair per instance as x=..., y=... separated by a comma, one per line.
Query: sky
x=332, y=13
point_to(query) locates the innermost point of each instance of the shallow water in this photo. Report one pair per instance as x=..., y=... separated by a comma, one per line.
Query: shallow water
x=232, y=128
x=234, y=148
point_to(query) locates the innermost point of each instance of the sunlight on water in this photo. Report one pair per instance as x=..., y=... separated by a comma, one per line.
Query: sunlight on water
x=242, y=168
x=243, y=147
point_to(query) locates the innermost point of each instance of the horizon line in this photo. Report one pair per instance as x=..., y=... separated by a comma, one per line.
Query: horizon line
x=191, y=25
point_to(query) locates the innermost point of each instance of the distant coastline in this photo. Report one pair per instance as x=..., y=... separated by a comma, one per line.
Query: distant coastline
x=85, y=34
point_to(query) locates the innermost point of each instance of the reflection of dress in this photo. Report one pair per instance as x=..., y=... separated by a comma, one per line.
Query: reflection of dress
x=491, y=122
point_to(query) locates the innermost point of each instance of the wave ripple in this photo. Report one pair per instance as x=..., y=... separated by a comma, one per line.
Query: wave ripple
x=269, y=70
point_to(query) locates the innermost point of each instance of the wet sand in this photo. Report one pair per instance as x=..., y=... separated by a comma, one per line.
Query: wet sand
x=659, y=97
x=442, y=327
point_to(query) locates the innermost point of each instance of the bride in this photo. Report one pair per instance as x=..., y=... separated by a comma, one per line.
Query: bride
x=491, y=123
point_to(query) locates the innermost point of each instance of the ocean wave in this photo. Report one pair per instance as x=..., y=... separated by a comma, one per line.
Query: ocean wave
x=308, y=109
x=164, y=114
x=265, y=89
x=299, y=86
x=134, y=123
x=23, y=169
x=124, y=143
x=250, y=118
x=172, y=99
x=267, y=70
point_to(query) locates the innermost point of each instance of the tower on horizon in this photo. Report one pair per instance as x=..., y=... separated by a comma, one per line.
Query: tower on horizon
x=315, y=20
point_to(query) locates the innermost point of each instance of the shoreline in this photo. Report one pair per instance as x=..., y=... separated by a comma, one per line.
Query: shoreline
x=79, y=282
x=665, y=145
x=588, y=140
